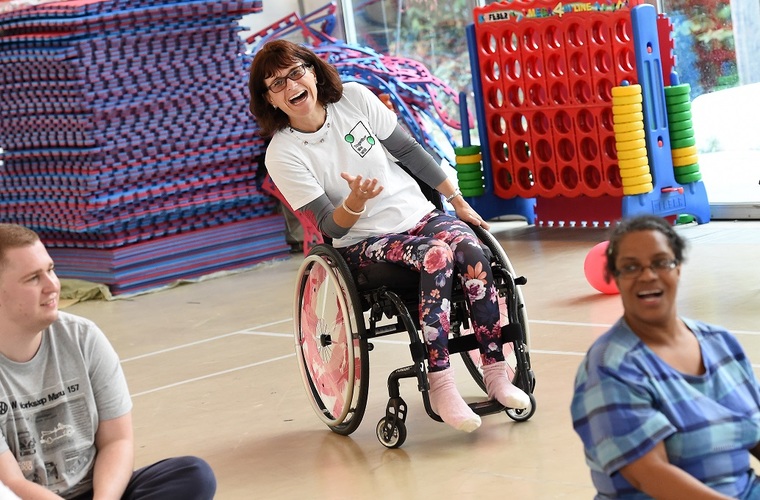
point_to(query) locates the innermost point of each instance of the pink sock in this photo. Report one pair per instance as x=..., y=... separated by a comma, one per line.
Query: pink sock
x=448, y=403
x=501, y=389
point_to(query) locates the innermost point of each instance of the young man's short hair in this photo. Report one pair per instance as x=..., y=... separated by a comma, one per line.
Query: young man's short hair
x=14, y=236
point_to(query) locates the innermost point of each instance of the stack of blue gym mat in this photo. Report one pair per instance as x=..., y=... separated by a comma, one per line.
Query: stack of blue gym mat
x=127, y=141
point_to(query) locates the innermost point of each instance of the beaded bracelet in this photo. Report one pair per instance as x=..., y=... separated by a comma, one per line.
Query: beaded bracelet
x=351, y=212
x=454, y=195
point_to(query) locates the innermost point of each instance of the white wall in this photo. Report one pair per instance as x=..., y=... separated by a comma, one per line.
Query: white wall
x=745, y=16
x=274, y=10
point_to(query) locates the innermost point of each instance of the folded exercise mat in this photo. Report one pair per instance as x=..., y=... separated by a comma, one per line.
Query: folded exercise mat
x=182, y=256
x=124, y=123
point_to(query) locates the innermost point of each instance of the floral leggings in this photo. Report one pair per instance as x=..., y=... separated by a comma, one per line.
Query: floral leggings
x=433, y=247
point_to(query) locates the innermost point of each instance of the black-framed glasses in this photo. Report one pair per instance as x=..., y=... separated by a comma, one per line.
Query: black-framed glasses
x=659, y=266
x=279, y=84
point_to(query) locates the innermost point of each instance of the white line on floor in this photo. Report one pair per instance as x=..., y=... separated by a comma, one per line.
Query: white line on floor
x=247, y=331
x=210, y=375
x=253, y=331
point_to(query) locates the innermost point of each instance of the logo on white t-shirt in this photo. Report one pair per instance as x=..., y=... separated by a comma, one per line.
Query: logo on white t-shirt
x=360, y=139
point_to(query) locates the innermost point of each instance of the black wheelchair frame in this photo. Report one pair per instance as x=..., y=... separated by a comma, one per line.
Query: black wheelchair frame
x=358, y=306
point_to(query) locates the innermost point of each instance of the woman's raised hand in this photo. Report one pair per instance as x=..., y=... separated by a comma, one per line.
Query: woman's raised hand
x=362, y=189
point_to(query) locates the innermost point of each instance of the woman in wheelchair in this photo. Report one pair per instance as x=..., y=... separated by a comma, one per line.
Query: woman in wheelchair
x=328, y=157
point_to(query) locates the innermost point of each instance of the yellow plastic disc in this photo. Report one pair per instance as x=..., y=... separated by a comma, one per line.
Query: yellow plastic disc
x=641, y=161
x=624, y=109
x=629, y=99
x=620, y=128
x=682, y=161
x=632, y=153
x=639, y=179
x=629, y=145
x=630, y=117
x=634, y=172
x=630, y=136
x=638, y=189
x=680, y=152
x=626, y=90
x=469, y=158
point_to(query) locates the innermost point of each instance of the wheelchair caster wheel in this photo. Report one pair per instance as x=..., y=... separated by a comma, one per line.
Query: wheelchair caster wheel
x=522, y=414
x=391, y=437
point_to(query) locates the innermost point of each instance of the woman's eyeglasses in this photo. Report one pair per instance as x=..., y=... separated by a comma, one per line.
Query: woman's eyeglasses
x=278, y=85
x=635, y=270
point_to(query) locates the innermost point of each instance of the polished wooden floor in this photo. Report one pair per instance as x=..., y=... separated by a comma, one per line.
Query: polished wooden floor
x=212, y=371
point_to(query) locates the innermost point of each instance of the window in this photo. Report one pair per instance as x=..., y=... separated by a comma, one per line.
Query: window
x=429, y=31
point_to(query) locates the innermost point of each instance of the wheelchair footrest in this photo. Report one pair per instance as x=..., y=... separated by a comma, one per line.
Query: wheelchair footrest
x=488, y=407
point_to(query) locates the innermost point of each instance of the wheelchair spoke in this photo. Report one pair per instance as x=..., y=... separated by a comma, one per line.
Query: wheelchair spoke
x=330, y=340
x=331, y=359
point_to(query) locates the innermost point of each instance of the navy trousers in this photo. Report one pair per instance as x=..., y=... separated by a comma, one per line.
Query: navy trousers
x=180, y=478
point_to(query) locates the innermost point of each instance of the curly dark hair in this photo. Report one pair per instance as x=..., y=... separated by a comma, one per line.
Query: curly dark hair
x=278, y=55
x=642, y=223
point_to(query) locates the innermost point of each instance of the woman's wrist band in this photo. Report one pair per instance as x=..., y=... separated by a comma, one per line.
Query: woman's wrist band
x=351, y=212
x=454, y=195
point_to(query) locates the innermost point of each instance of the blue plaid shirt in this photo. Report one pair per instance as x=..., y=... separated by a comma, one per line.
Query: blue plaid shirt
x=627, y=400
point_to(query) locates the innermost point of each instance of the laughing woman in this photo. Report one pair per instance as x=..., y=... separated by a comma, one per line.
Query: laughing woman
x=666, y=407
x=328, y=156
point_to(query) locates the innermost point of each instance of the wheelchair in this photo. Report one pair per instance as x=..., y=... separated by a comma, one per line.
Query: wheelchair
x=337, y=315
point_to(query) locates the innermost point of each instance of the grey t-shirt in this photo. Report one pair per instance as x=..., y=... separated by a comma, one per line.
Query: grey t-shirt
x=50, y=406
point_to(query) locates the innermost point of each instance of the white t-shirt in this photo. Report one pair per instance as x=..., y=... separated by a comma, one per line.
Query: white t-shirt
x=306, y=165
x=7, y=494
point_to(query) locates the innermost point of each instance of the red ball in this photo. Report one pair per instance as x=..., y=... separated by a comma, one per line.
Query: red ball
x=593, y=267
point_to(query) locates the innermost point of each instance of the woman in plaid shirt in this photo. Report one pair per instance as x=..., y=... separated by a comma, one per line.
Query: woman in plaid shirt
x=666, y=407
